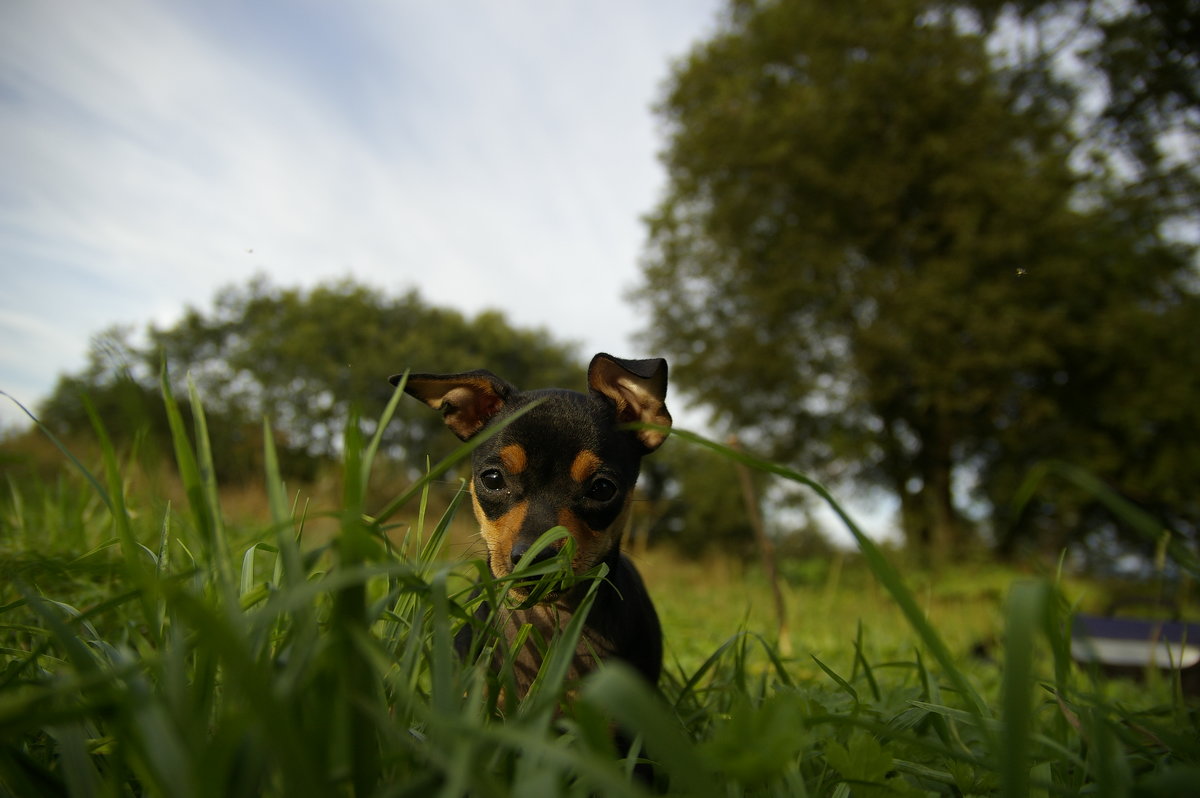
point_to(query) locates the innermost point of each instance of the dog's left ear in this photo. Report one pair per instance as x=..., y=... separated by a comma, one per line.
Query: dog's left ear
x=468, y=401
x=638, y=388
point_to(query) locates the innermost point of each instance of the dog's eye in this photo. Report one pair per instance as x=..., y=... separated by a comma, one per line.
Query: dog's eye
x=601, y=489
x=492, y=479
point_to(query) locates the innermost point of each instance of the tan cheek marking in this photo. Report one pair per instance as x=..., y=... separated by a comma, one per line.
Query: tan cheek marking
x=514, y=458
x=592, y=545
x=585, y=464
x=500, y=534
x=589, y=545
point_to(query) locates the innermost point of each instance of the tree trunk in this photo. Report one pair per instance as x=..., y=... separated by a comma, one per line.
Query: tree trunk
x=945, y=523
x=933, y=528
x=945, y=526
x=932, y=525
x=913, y=520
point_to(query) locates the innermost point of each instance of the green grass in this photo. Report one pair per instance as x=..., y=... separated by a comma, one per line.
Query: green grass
x=150, y=647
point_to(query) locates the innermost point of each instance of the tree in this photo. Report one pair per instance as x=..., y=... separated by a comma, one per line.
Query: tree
x=1137, y=99
x=1134, y=71
x=305, y=359
x=695, y=503
x=875, y=259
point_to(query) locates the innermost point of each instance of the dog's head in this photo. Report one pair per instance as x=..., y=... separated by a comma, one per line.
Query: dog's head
x=567, y=461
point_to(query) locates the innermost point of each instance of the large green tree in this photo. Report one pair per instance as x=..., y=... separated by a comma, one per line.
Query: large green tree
x=877, y=260
x=304, y=359
x=1135, y=69
x=1133, y=76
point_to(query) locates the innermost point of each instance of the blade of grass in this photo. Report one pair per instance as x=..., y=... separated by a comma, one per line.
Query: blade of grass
x=197, y=492
x=931, y=695
x=82, y=657
x=433, y=544
x=861, y=657
x=1141, y=522
x=692, y=682
x=618, y=692
x=368, y=457
x=208, y=481
x=281, y=516
x=543, y=692
x=246, y=583
x=874, y=557
x=459, y=453
x=78, y=768
x=1026, y=609
x=845, y=685
x=249, y=680
x=88, y=475
x=116, y=496
x=772, y=653
x=358, y=680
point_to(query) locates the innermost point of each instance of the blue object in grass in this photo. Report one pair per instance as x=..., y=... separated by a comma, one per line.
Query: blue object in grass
x=1135, y=642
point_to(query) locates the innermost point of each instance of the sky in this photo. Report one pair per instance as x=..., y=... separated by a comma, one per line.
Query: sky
x=489, y=154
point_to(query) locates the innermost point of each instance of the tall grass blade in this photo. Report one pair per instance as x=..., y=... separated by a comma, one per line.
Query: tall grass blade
x=432, y=547
x=78, y=769
x=1141, y=522
x=358, y=681
x=247, y=681
x=292, y=570
x=883, y=570
x=832, y=674
x=442, y=670
x=861, y=658
x=368, y=457
x=692, y=683
x=1026, y=609
x=136, y=566
x=543, y=691
x=208, y=482
x=85, y=662
x=88, y=475
x=460, y=452
x=618, y=692
x=195, y=484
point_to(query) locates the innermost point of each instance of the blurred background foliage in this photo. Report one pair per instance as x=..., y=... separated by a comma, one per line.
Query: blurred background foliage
x=304, y=359
x=912, y=248
x=923, y=246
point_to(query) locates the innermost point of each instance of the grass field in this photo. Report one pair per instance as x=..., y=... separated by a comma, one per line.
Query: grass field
x=157, y=640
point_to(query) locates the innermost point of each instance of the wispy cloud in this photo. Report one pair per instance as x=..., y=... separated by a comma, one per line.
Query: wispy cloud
x=488, y=153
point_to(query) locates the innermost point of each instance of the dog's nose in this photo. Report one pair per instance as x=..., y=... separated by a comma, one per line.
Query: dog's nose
x=519, y=549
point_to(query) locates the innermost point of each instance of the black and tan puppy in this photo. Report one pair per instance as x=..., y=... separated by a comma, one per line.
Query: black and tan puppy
x=567, y=462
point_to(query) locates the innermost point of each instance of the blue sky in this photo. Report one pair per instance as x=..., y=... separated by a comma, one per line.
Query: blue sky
x=490, y=154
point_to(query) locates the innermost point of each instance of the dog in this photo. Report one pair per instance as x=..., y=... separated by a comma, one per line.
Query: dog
x=568, y=461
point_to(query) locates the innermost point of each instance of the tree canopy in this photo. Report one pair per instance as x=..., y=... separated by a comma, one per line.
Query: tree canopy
x=879, y=258
x=1136, y=99
x=304, y=359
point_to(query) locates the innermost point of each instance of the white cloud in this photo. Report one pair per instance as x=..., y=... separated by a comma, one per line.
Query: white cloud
x=489, y=153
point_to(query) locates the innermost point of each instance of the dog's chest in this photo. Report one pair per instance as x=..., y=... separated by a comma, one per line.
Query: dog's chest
x=539, y=625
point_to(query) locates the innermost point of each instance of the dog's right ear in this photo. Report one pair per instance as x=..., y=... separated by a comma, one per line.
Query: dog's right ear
x=468, y=401
x=638, y=390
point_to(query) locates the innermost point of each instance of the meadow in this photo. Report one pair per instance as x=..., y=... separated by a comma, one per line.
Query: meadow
x=156, y=639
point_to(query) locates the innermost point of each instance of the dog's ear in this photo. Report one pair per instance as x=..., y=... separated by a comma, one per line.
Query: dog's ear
x=468, y=401
x=638, y=388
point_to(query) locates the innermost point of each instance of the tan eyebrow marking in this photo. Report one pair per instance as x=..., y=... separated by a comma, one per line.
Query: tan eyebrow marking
x=514, y=458
x=585, y=464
